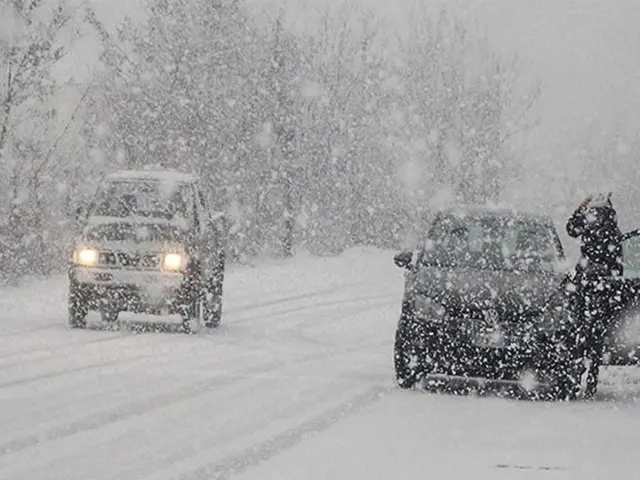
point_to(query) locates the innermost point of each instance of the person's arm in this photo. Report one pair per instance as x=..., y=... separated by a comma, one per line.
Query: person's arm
x=631, y=234
x=576, y=223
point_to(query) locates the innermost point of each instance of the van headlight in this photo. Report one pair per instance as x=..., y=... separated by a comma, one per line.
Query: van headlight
x=173, y=262
x=87, y=257
x=428, y=310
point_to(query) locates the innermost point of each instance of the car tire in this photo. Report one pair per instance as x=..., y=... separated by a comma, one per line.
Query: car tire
x=191, y=298
x=409, y=354
x=567, y=371
x=560, y=390
x=561, y=378
x=191, y=314
x=78, y=309
x=566, y=382
x=212, y=311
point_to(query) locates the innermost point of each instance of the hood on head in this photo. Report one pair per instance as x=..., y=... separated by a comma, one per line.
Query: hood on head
x=599, y=200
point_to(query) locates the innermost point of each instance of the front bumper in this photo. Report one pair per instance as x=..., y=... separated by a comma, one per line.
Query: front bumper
x=524, y=381
x=452, y=355
x=138, y=291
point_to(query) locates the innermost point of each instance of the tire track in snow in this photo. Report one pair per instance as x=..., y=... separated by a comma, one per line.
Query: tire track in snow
x=292, y=331
x=232, y=310
x=257, y=454
x=302, y=308
x=299, y=334
x=16, y=333
x=293, y=298
x=68, y=371
x=241, y=321
x=208, y=446
x=55, y=348
x=96, y=421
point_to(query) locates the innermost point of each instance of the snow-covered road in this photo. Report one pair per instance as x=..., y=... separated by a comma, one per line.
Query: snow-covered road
x=296, y=384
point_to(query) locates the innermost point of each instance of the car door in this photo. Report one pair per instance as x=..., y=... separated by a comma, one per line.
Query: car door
x=623, y=340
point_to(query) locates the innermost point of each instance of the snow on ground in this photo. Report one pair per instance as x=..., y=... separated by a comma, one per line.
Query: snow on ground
x=296, y=384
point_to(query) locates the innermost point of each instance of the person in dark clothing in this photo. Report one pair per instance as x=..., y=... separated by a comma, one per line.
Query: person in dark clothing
x=595, y=223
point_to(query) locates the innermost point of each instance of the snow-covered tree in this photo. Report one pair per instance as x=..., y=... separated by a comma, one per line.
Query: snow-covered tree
x=302, y=137
x=349, y=196
x=34, y=38
x=464, y=103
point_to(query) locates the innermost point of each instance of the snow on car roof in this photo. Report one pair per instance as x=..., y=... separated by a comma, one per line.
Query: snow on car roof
x=153, y=175
x=94, y=220
x=488, y=210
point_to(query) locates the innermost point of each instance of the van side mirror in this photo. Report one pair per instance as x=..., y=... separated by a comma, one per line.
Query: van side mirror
x=403, y=259
x=79, y=213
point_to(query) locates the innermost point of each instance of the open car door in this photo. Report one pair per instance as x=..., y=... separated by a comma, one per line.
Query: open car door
x=623, y=339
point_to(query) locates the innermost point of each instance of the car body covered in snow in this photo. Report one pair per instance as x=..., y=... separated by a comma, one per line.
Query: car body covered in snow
x=472, y=289
x=148, y=243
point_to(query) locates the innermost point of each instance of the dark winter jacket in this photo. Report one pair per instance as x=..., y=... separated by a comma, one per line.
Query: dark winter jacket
x=601, y=239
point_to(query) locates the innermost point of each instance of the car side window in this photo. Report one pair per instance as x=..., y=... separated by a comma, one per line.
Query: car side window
x=631, y=252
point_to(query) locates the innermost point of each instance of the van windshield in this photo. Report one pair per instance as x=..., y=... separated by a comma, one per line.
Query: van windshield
x=124, y=198
x=134, y=233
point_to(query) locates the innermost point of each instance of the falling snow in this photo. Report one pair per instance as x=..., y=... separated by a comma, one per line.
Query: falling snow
x=281, y=155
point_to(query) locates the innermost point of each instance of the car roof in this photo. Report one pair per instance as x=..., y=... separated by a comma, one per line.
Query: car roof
x=495, y=212
x=151, y=175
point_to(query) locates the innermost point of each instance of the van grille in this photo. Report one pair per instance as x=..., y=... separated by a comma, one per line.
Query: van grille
x=130, y=260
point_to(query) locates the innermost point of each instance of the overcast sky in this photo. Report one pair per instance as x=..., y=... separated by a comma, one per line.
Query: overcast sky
x=586, y=52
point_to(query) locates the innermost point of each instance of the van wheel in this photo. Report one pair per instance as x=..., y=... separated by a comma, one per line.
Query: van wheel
x=212, y=306
x=191, y=314
x=212, y=312
x=78, y=309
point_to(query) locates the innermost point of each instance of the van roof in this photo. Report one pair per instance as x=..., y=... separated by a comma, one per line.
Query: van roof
x=152, y=175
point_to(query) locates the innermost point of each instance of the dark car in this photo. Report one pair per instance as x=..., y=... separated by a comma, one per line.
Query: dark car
x=485, y=300
x=149, y=243
x=474, y=298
